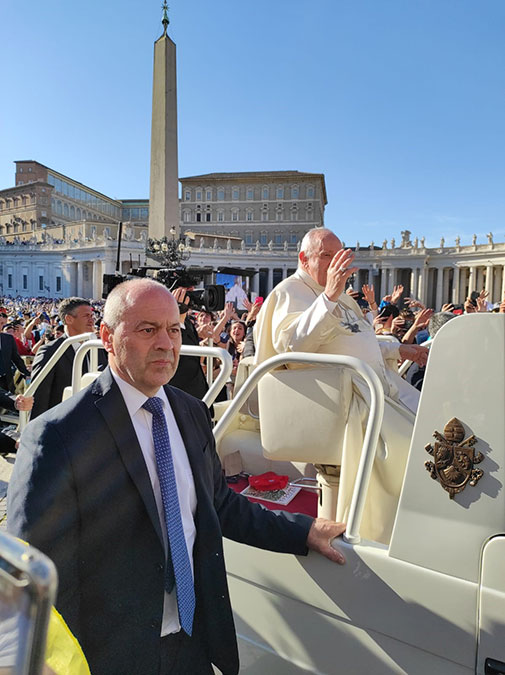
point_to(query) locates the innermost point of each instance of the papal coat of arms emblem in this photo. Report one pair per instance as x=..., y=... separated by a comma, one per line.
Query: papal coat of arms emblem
x=454, y=458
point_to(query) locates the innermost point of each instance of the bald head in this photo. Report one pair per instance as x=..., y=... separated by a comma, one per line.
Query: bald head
x=142, y=334
x=125, y=295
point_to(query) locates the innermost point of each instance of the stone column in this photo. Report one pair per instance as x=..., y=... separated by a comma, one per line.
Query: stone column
x=256, y=282
x=423, y=284
x=97, y=280
x=270, y=279
x=445, y=291
x=80, y=278
x=440, y=278
x=472, y=280
x=455, y=287
x=489, y=282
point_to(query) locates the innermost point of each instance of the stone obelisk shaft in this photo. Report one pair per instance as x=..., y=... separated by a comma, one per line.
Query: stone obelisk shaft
x=164, y=193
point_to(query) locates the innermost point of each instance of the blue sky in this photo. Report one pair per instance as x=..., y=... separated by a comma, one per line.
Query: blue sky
x=400, y=103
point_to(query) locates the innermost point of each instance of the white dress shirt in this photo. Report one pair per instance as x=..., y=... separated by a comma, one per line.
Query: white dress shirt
x=142, y=423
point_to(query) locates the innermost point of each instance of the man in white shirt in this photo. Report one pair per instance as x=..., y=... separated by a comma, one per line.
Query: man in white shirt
x=310, y=312
x=89, y=488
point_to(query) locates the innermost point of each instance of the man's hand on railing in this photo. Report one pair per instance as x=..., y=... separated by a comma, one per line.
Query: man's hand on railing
x=320, y=536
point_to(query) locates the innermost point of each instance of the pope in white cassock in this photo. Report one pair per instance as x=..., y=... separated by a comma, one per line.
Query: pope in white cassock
x=310, y=312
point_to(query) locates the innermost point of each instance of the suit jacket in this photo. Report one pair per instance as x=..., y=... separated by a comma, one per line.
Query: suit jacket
x=50, y=391
x=80, y=491
x=9, y=356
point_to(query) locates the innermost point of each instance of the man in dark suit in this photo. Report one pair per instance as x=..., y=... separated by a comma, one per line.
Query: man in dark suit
x=77, y=316
x=9, y=357
x=89, y=489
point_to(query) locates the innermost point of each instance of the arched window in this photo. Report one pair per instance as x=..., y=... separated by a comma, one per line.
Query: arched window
x=250, y=193
x=310, y=192
x=279, y=192
x=249, y=215
x=59, y=207
x=220, y=216
x=234, y=215
x=78, y=214
x=198, y=194
x=65, y=210
x=265, y=192
x=220, y=194
x=235, y=193
x=294, y=192
x=187, y=195
x=186, y=216
x=72, y=212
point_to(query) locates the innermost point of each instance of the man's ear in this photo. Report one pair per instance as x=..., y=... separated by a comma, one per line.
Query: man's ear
x=106, y=337
x=302, y=258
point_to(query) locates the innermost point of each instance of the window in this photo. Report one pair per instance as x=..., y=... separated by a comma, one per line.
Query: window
x=310, y=192
x=264, y=216
x=187, y=195
x=220, y=216
x=59, y=208
x=278, y=239
x=20, y=169
x=207, y=217
x=208, y=195
x=186, y=216
x=280, y=192
x=265, y=192
x=72, y=212
x=220, y=194
x=294, y=192
x=41, y=283
x=250, y=193
x=25, y=282
x=249, y=216
x=198, y=217
x=293, y=239
x=235, y=193
x=248, y=239
x=65, y=210
x=263, y=239
x=20, y=182
x=9, y=281
x=58, y=284
x=78, y=214
x=198, y=195
x=144, y=212
x=30, y=169
x=234, y=215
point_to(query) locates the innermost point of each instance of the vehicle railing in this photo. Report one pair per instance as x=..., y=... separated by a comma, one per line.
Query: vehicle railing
x=372, y=431
x=186, y=350
x=33, y=386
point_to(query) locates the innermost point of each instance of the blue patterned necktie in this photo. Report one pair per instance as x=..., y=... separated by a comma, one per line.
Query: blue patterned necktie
x=177, y=542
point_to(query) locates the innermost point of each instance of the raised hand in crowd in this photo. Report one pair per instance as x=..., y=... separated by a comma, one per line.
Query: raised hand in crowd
x=412, y=303
x=253, y=312
x=482, y=301
x=469, y=306
x=369, y=295
x=396, y=294
x=447, y=307
x=421, y=320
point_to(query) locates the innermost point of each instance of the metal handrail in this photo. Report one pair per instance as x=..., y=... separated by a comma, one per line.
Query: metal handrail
x=372, y=431
x=186, y=350
x=33, y=386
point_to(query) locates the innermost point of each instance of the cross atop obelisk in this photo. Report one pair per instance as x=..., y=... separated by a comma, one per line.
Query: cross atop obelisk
x=164, y=186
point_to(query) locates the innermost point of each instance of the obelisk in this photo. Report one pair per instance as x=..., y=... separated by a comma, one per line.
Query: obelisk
x=164, y=192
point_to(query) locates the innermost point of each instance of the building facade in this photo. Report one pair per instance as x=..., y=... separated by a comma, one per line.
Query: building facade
x=264, y=208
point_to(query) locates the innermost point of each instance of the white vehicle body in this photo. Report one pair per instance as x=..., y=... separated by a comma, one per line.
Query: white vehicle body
x=433, y=600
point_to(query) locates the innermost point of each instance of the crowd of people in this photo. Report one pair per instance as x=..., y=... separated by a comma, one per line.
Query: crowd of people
x=144, y=465
x=35, y=323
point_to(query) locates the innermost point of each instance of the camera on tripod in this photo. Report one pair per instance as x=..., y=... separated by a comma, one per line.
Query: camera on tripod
x=211, y=298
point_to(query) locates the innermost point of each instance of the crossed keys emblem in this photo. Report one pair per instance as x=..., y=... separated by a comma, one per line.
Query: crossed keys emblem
x=454, y=458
